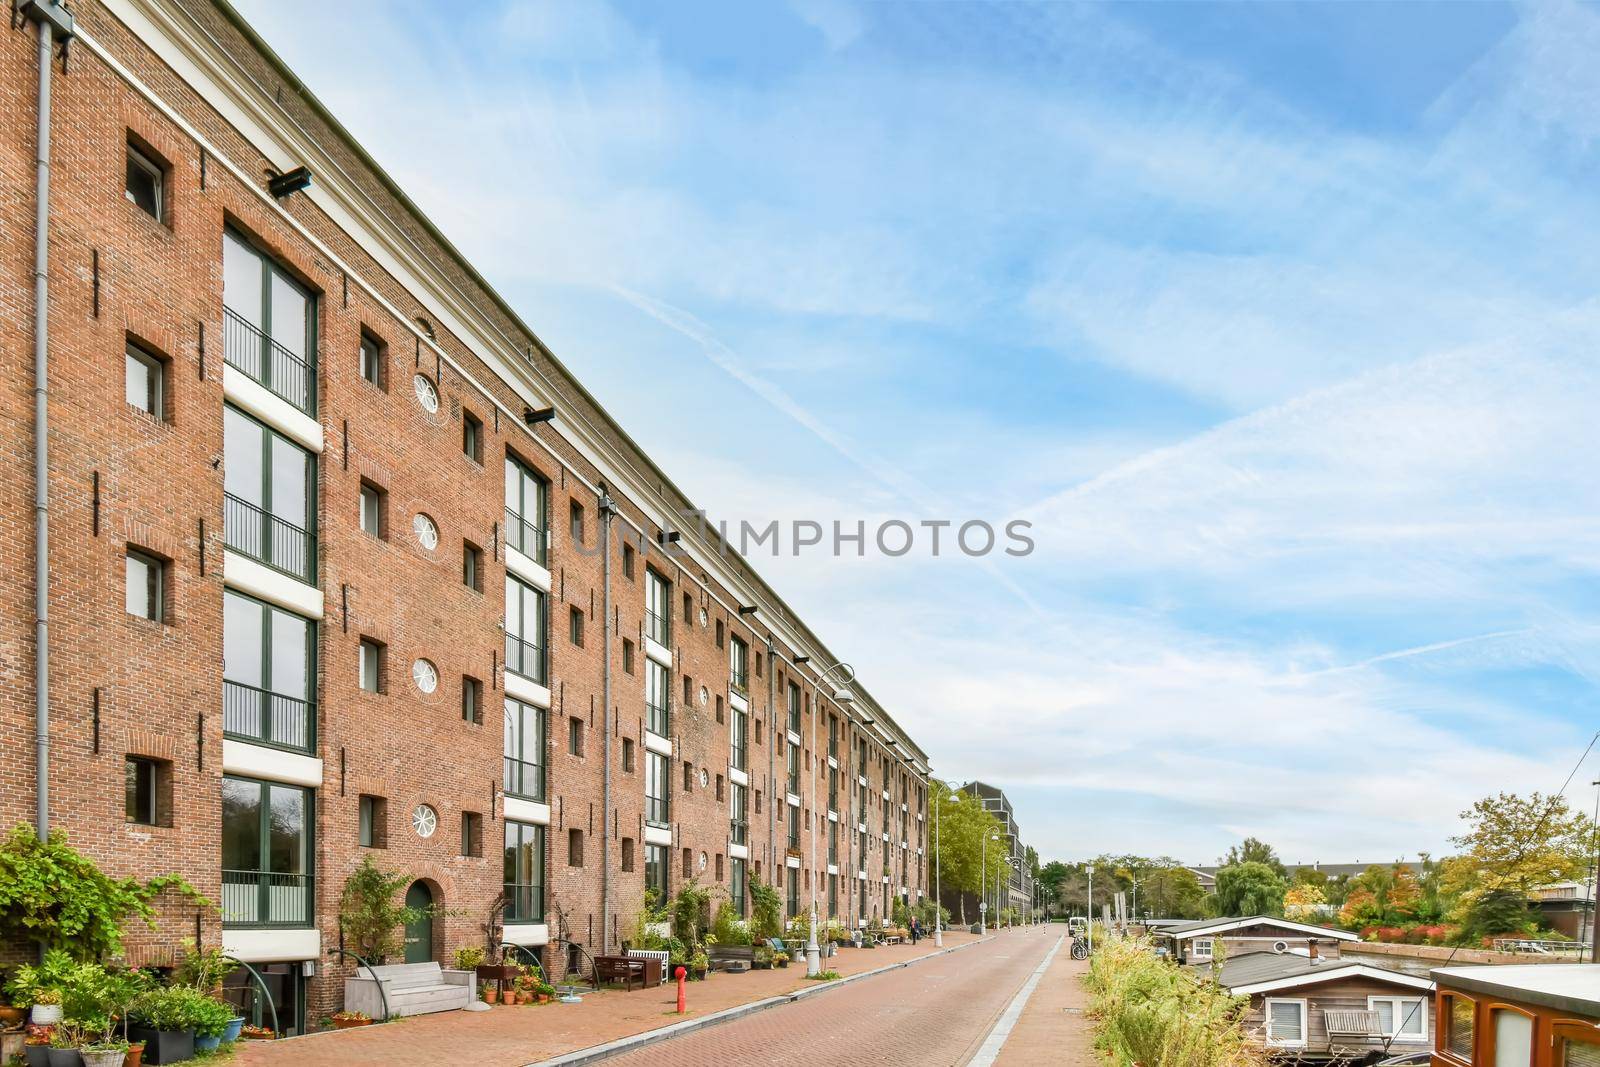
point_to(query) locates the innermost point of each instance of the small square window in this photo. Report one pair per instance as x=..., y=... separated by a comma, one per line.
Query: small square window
x=627, y=754
x=372, y=361
x=148, y=799
x=575, y=626
x=471, y=834
x=627, y=656
x=145, y=185
x=372, y=822
x=575, y=736
x=471, y=566
x=145, y=381
x=145, y=586
x=372, y=510
x=472, y=436
x=628, y=555
x=472, y=701
x=372, y=665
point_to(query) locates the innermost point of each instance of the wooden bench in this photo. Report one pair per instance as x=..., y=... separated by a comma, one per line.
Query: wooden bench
x=408, y=989
x=655, y=960
x=622, y=969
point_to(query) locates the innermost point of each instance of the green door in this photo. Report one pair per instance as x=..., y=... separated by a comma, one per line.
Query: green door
x=419, y=934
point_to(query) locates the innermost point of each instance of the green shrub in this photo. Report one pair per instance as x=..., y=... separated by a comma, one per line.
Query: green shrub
x=766, y=910
x=1148, y=1010
x=728, y=928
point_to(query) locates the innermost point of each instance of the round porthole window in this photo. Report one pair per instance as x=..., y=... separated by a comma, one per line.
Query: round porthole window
x=427, y=395
x=705, y=696
x=424, y=820
x=427, y=533
x=703, y=618
x=705, y=778
x=702, y=861
x=1280, y=947
x=426, y=675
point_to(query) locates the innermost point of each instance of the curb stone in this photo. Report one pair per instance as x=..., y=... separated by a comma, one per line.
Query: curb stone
x=596, y=1053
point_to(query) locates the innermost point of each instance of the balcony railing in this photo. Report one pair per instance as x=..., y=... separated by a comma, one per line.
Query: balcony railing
x=266, y=717
x=247, y=348
x=266, y=898
x=658, y=719
x=658, y=811
x=266, y=538
x=524, y=903
x=525, y=657
x=525, y=536
x=740, y=684
x=524, y=779
x=738, y=830
x=657, y=627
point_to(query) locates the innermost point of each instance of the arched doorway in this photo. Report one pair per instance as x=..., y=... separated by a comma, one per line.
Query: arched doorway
x=419, y=934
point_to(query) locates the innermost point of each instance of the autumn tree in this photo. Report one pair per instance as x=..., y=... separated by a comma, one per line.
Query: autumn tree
x=1516, y=843
x=1304, y=901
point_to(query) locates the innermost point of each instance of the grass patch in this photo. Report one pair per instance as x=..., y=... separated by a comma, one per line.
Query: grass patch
x=823, y=976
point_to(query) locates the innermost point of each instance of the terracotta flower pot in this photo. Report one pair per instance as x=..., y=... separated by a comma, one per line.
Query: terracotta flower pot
x=350, y=1024
x=508, y=997
x=11, y=1016
x=544, y=998
x=524, y=998
x=134, y=1057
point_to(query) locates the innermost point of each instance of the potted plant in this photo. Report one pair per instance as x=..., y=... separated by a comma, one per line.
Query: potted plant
x=160, y=1019
x=208, y=1018
x=781, y=959
x=12, y=1015
x=486, y=991
x=46, y=1007
x=761, y=958
x=64, y=1044
x=257, y=1033
x=508, y=995
x=107, y=1051
x=699, y=963
x=469, y=959
x=544, y=992
x=349, y=1020
x=36, y=1046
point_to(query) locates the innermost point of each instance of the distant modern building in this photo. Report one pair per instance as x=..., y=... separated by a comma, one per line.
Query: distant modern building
x=1017, y=892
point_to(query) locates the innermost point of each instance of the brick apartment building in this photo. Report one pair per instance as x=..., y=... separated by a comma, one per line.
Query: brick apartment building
x=343, y=562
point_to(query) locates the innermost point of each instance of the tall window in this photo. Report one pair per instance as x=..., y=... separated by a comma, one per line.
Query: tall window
x=372, y=362
x=794, y=707
x=741, y=740
x=268, y=673
x=737, y=886
x=372, y=822
x=372, y=509
x=144, y=381
x=657, y=789
x=657, y=698
x=266, y=853
x=524, y=750
x=794, y=828
x=146, y=183
x=525, y=629
x=655, y=871
x=269, y=324
x=525, y=511
x=269, y=489
x=739, y=665
x=657, y=608
x=145, y=586
x=792, y=755
x=369, y=666
x=141, y=780
x=471, y=437
x=1458, y=1021
x=833, y=896
x=793, y=895
x=524, y=873
x=737, y=824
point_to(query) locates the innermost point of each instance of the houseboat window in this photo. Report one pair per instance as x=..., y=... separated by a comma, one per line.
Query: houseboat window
x=1579, y=1053
x=1286, y=1023
x=1513, y=1039
x=1200, y=948
x=1405, y=1018
x=1458, y=1035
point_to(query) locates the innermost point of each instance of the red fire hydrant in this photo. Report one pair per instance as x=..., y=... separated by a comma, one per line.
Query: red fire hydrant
x=683, y=975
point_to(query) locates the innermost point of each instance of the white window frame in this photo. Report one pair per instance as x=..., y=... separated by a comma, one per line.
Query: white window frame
x=1201, y=948
x=157, y=183
x=155, y=404
x=1399, y=1006
x=372, y=508
x=369, y=666
x=153, y=583
x=1266, y=1022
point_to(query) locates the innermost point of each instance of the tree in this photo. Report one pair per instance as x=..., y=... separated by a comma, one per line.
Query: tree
x=1497, y=913
x=1304, y=901
x=1172, y=893
x=1517, y=843
x=1250, y=888
x=1254, y=850
x=371, y=919
x=967, y=856
x=1052, y=876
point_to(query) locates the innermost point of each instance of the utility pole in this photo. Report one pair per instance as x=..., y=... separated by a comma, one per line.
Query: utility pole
x=1593, y=910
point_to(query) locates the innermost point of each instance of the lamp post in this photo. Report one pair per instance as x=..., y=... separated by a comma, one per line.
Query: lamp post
x=813, y=951
x=938, y=901
x=1088, y=930
x=983, y=885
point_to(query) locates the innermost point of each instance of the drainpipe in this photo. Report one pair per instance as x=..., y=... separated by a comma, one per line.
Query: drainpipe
x=51, y=18
x=608, y=510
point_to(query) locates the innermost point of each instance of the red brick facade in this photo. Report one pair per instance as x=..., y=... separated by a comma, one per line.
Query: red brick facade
x=120, y=478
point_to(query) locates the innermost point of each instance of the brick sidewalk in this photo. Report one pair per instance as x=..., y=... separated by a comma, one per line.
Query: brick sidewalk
x=514, y=1036
x=1052, y=1028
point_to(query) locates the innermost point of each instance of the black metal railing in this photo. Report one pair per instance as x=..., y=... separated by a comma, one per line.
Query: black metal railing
x=738, y=830
x=658, y=810
x=658, y=718
x=657, y=628
x=268, y=539
x=526, y=658
x=257, y=714
x=248, y=349
x=740, y=683
x=524, y=902
x=525, y=536
x=266, y=898
x=524, y=779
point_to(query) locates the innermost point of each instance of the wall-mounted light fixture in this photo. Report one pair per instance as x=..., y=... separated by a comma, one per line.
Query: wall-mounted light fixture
x=748, y=609
x=533, y=417
x=288, y=182
x=668, y=537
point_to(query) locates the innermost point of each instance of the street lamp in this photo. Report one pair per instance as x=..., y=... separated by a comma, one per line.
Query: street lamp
x=813, y=951
x=1088, y=929
x=983, y=886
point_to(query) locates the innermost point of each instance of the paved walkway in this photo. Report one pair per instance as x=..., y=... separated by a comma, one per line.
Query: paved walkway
x=515, y=1036
x=1052, y=1028
x=934, y=1014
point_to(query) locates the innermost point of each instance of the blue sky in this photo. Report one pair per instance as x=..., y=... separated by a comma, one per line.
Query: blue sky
x=1278, y=322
